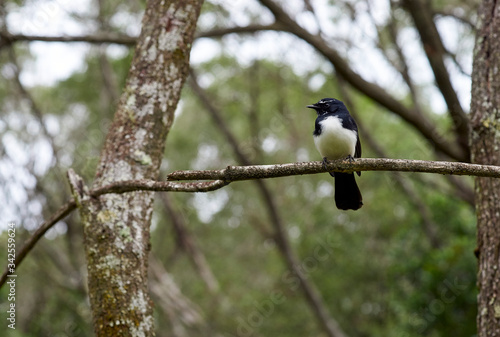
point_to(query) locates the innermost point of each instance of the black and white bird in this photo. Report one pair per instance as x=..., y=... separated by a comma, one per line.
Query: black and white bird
x=336, y=137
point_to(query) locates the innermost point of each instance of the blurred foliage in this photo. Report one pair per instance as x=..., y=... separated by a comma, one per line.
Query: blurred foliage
x=376, y=269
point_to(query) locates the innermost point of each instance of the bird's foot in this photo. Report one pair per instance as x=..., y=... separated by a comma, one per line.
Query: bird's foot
x=325, y=162
x=350, y=158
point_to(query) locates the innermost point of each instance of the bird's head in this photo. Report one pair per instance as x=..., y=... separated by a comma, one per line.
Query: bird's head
x=326, y=105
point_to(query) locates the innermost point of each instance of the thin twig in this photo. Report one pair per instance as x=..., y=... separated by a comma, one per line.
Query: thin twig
x=61, y=213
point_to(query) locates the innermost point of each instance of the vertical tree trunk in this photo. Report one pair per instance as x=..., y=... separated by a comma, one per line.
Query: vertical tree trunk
x=116, y=226
x=485, y=149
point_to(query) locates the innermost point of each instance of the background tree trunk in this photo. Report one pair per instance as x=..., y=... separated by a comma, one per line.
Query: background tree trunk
x=117, y=226
x=485, y=142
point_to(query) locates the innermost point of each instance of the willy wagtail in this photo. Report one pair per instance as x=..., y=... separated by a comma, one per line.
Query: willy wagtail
x=336, y=137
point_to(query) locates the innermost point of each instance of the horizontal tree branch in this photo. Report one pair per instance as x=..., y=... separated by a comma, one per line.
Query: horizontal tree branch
x=250, y=29
x=98, y=38
x=236, y=173
x=114, y=38
x=221, y=178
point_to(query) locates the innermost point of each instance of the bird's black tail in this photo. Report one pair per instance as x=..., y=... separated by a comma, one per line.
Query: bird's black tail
x=347, y=194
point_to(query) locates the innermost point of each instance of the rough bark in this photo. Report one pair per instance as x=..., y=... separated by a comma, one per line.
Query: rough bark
x=116, y=226
x=485, y=144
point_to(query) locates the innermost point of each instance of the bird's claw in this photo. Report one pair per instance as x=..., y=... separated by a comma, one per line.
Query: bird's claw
x=325, y=162
x=350, y=158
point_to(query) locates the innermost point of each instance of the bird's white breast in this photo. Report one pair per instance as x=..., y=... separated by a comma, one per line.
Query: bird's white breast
x=335, y=142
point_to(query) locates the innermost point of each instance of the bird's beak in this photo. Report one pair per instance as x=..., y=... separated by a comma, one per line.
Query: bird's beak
x=312, y=106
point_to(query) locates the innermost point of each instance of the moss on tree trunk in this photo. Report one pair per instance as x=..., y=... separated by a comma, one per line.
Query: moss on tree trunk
x=485, y=149
x=116, y=226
